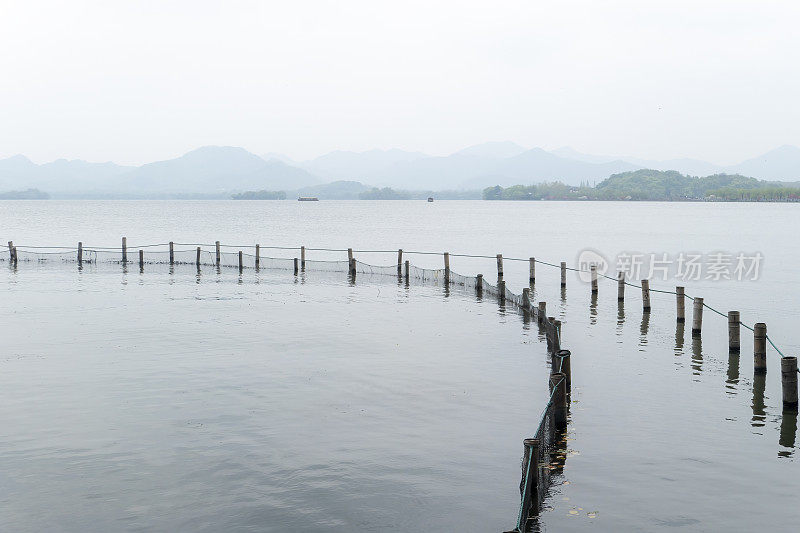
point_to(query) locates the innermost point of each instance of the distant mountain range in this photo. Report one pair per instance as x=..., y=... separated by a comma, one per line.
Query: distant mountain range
x=223, y=170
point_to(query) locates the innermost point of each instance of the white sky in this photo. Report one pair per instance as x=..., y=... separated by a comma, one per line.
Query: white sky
x=139, y=81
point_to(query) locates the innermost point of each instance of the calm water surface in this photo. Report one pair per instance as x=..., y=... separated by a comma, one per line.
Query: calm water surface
x=262, y=402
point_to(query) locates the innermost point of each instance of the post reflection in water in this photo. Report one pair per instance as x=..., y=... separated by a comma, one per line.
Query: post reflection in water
x=697, y=355
x=643, y=327
x=733, y=373
x=620, y=316
x=680, y=335
x=759, y=414
x=788, y=432
x=593, y=309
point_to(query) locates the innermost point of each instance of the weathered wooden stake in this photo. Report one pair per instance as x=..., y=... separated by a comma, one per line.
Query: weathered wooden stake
x=734, y=327
x=646, y=295
x=542, y=312
x=218, y=255
x=141, y=259
x=124, y=250
x=303, y=257
x=681, y=301
x=563, y=273
x=499, y=265
x=558, y=389
x=258, y=256
x=349, y=256
x=399, y=262
x=479, y=284
x=760, y=348
x=697, y=317
x=593, y=270
x=532, y=268
x=526, y=299
x=353, y=268
x=295, y=266
x=14, y=254
x=171, y=253
x=408, y=270
x=789, y=382
x=557, y=345
x=80, y=253
x=241, y=265
x=447, y=263
x=530, y=477
x=11, y=251
x=566, y=369
x=197, y=261
x=550, y=335
x=620, y=286
x=501, y=288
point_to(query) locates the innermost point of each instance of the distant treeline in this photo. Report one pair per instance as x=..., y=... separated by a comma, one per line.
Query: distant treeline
x=655, y=185
x=260, y=195
x=388, y=193
x=28, y=194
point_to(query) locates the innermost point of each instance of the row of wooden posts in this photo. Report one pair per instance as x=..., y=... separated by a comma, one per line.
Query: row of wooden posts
x=788, y=364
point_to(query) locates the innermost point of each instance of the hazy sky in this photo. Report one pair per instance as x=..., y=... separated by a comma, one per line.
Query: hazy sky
x=139, y=81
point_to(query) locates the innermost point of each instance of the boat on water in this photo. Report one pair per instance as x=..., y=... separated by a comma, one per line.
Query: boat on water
x=308, y=199
x=430, y=199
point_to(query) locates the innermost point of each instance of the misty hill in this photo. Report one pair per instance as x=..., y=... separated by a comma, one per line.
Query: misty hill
x=337, y=190
x=28, y=194
x=779, y=164
x=214, y=169
x=341, y=165
x=19, y=172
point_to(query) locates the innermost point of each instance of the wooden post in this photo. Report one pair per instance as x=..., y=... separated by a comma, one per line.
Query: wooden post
x=789, y=382
x=11, y=251
x=198, y=258
x=566, y=369
x=295, y=266
x=501, y=288
x=697, y=317
x=80, y=253
x=734, y=328
x=171, y=253
x=646, y=295
x=258, y=256
x=124, y=250
x=141, y=259
x=550, y=335
x=542, y=312
x=681, y=300
x=557, y=343
x=241, y=266
x=479, y=284
x=349, y=256
x=530, y=477
x=14, y=254
x=217, y=246
x=558, y=390
x=303, y=257
x=532, y=267
x=526, y=299
x=620, y=286
x=447, y=263
x=594, y=278
x=353, y=268
x=499, y=265
x=408, y=269
x=399, y=262
x=563, y=273
x=760, y=348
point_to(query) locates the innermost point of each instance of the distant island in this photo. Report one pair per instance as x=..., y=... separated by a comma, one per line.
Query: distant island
x=28, y=194
x=260, y=195
x=656, y=185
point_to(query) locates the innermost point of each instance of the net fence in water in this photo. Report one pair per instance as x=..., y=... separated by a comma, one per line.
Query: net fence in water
x=537, y=469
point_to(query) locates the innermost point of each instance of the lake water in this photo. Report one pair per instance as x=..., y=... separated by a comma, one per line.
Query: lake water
x=264, y=402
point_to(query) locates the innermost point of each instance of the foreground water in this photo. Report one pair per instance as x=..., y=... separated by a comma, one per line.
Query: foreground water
x=172, y=402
